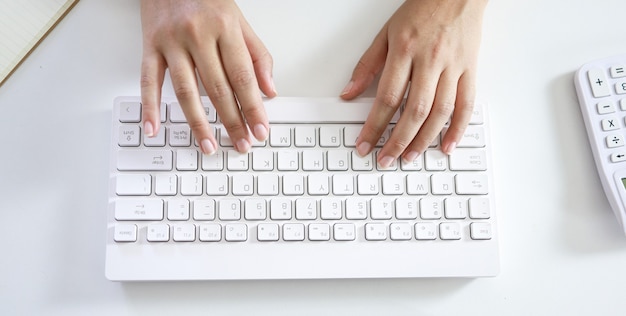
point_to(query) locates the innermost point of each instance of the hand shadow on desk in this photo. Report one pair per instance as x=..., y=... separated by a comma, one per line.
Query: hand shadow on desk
x=298, y=297
x=588, y=223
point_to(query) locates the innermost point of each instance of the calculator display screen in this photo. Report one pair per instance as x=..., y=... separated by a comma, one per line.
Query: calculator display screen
x=624, y=182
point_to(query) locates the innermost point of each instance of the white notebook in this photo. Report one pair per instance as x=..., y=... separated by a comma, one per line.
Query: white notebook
x=23, y=25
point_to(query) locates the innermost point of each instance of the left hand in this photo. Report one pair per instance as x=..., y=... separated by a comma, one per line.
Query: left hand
x=429, y=47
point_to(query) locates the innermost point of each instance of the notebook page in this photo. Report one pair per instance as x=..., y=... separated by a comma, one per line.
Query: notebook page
x=23, y=24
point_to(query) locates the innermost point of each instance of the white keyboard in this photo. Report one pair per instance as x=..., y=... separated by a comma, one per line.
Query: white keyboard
x=300, y=205
x=601, y=89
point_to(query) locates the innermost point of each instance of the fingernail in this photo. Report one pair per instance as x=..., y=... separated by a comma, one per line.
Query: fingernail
x=410, y=156
x=260, y=132
x=243, y=145
x=451, y=148
x=386, y=161
x=273, y=87
x=348, y=87
x=207, y=147
x=148, y=129
x=363, y=148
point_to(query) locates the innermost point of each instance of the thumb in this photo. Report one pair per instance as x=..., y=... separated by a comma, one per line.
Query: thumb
x=370, y=64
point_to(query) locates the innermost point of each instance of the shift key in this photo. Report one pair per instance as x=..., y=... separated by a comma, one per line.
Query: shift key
x=144, y=160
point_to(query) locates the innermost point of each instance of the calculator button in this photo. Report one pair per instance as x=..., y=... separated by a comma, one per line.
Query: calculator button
x=615, y=140
x=618, y=157
x=606, y=107
x=620, y=87
x=618, y=71
x=598, y=82
x=610, y=124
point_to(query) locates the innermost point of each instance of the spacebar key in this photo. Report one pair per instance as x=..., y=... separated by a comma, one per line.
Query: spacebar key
x=144, y=160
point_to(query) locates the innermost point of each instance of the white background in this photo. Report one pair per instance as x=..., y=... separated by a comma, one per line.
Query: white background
x=562, y=252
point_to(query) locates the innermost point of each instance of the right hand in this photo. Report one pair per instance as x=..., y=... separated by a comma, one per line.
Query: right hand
x=210, y=38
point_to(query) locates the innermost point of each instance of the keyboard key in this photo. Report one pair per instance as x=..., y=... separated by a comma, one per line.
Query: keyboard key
x=305, y=136
x=288, y=160
x=293, y=232
x=293, y=184
x=381, y=208
x=450, y=231
x=125, y=233
x=130, y=112
x=156, y=141
x=425, y=231
x=179, y=136
x=213, y=162
x=187, y=159
x=229, y=209
x=442, y=183
x=191, y=184
x=312, y=160
x=129, y=136
x=375, y=231
x=435, y=160
x=331, y=208
x=236, y=232
x=267, y=232
x=344, y=232
x=319, y=232
x=406, y=208
x=306, y=209
x=158, y=232
x=262, y=160
x=267, y=184
x=236, y=161
x=184, y=232
x=133, y=184
x=468, y=160
x=204, y=210
x=166, y=184
x=350, y=134
x=337, y=160
x=139, y=210
x=280, y=136
x=318, y=184
x=364, y=163
x=356, y=208
x=178, y=209
x=400, y=231
x=471, y=183
x=455, y=208
x=479, y=208
x=255, y=209
x=480, y=231
x=217, y=184
x=393, y=183
x=330, y=136
x=431, y=208
x=210, y=232
x=145, y=160
x=280, y=209
x=368, y=184
x=343, y=184
x=243, y=184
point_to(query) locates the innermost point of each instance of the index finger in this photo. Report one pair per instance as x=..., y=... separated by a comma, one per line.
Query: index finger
x=391, y=88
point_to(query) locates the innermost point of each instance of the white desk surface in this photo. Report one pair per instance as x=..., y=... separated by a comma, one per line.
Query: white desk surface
x=562, y=252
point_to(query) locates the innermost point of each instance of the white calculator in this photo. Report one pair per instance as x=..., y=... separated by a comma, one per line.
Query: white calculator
x=601, y=89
